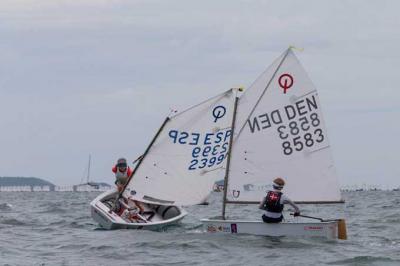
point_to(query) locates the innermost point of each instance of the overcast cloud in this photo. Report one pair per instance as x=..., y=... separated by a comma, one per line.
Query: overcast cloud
x=98, y=77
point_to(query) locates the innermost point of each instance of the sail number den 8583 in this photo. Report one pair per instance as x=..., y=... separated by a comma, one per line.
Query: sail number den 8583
x=298, y=126
x=299, y=141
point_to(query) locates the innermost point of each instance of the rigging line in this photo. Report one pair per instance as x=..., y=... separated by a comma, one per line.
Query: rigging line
x=320, y=149
x=220, y=129
x=304, y=95
x=269, y=83
x=209, y=99
x=212, y=170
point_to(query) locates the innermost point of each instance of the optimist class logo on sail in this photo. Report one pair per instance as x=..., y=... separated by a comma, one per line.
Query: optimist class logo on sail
x=285, y=82
x=219, y=112
x=209, y=148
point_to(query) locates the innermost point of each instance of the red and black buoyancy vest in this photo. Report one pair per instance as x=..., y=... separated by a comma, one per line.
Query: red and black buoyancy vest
x=273, y=202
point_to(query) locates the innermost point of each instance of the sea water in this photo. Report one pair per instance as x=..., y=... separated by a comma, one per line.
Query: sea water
x=55, y=228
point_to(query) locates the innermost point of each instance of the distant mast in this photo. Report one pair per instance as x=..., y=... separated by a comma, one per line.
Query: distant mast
x=88, y=172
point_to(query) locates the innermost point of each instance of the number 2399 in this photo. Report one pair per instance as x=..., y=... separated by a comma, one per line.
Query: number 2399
x=206, y=162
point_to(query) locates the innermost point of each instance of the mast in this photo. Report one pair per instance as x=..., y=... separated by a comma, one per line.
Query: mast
x=229, y=157
x=232, y=133
x=145, y=153
x=88, y=173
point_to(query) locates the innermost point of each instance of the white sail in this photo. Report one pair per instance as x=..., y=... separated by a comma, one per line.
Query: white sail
x=280, y=132
x=188, y=156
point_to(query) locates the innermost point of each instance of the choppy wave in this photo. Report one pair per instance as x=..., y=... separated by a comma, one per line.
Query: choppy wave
x=11, y=221
x=5, y=207
x=57, y=229
x=366, y=260
x=52, y=207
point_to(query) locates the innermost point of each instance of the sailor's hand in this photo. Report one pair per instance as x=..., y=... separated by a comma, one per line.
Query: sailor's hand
x=296, y=214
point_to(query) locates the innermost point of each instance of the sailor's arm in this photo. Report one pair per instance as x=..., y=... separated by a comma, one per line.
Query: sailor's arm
x=261, y=206
x=139, y=205
x=286, y=200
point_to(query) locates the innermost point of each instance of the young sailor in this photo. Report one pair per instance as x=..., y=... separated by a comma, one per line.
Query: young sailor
x=122, y=172
x=129, y=209
x=273, y=203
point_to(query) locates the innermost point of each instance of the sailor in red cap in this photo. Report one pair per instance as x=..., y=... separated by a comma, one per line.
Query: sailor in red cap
x=122, y=173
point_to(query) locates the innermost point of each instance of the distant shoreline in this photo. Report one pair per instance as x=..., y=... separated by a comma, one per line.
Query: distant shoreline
x=35, y=184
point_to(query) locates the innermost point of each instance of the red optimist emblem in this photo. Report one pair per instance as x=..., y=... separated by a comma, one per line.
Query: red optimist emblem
x=285, y=82
x=236, y=193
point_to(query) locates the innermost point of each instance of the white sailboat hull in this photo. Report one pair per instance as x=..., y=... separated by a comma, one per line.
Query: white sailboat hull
x=108, y=219
x=327, y=230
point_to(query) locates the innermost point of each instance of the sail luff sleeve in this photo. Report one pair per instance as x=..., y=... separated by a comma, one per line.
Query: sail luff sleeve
x=145, y=153
x=229, y=157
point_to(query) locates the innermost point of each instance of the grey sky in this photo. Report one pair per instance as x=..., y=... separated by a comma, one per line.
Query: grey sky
x=80, y=77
